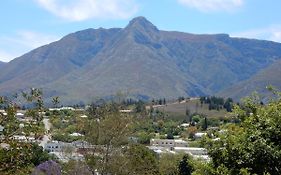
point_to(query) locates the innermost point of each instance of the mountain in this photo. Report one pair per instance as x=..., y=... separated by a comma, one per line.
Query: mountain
x=257, y=83
x=2, y=64
x=139, y=59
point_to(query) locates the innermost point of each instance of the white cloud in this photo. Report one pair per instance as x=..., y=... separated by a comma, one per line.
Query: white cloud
x=75, y=10
x=212, y=5
x=22, y=42
x=272, y=33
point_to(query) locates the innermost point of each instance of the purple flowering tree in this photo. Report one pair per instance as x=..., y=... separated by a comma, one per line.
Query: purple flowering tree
x=48, y=168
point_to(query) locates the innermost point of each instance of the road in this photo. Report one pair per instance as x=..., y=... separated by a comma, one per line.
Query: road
x=47, y=136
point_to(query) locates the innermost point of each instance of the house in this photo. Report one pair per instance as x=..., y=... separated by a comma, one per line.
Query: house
x=81, y=144
x=199, y=153
x=84, y=116
x=62, y=108
x=199, y=135
x=22, y=138
x=191, y=150
x=126, y=111
x=66, y=151
x=168, y=143
x=76, y=134
x=185, y=125
x=166, y=146
x=160, y=150
x=56, y=146
x=19, y=115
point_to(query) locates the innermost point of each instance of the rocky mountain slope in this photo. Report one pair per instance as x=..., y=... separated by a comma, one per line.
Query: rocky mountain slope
x=257, y=83
x=139, y=59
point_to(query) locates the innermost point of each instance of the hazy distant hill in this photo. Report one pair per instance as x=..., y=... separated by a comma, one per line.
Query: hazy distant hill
x=139, y=59
x=268, y=76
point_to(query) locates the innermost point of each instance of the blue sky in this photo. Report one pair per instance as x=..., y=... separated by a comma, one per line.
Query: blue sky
x=28, y=24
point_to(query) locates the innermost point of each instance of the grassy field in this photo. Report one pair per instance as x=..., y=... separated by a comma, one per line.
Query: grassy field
x=177, y=110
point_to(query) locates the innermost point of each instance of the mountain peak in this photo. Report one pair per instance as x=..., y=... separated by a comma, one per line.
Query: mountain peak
x=141, y=23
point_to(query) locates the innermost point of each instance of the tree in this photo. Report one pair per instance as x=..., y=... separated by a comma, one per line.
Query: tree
x=48, y=168
x=185, y=167
x=140, y=107
x=141, y=161
x=15, y=156
x=187, y=114
x=160, y=102
x=170, y=135
x=73, y=167
x=168, y=164
x=55, y=101
x=205, y=125
x=108, y=131
x=254, y=144
x=228, y=105
x=191, y=132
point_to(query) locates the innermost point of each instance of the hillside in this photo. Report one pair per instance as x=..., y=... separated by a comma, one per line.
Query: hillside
x=177, y=110
x=2, y=64
x=269, y=76
x=140, y=60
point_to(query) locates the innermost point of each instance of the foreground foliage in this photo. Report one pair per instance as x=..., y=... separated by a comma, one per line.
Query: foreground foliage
x=254, y=145
x=18, y=156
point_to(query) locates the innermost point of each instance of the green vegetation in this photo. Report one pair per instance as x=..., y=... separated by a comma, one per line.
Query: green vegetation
x=253, y=145
x=217, y=103
x=19, y=157
x=247, y=141
x=178, y=111
x=64, y=123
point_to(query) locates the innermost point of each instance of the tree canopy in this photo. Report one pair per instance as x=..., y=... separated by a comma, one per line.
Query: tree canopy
x=254, y=144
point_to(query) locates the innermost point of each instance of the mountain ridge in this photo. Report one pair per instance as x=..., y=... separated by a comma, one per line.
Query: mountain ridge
x=270, y=76
x=139, y=59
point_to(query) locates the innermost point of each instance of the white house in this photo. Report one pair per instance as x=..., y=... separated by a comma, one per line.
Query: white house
x=22, y=138
x=185, y=125
x=84, y=116
x=76, y=134
x=199, y=135
x=56, y=146
x=191, y=150
x=19, y=115
x=168, y=143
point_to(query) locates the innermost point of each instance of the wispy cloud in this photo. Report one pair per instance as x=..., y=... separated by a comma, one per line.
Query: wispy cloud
x=212, y=5
x=74, y=10
x=272, y=33
x=22, y=42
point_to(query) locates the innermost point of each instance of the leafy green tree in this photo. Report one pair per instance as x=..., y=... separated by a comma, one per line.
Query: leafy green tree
x=144, y=137
x=185, y=166
x=108, y=130
x=228, y=105
x=170, y=135
x=141, y=161
x=168, y=164
x=16, y=156
x=254, y=144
